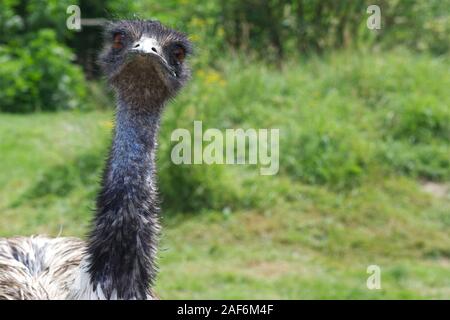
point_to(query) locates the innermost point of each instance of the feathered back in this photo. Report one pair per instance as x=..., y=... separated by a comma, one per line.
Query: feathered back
x=37, y=268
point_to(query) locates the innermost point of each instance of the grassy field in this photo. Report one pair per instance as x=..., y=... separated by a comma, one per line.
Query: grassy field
x=364, y=179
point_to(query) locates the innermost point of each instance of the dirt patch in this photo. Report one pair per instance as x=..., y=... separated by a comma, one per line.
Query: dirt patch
x=439, y=190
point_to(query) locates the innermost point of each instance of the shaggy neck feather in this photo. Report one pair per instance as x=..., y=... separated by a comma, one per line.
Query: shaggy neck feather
x=122, y=245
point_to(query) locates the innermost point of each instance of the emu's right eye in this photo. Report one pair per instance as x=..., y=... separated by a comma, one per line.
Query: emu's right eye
x=118, y=40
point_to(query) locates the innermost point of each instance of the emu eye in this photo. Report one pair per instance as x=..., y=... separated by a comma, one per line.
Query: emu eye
x=118, y=40
x=179, y=53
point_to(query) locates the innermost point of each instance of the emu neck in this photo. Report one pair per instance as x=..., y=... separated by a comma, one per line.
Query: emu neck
x=124, y=238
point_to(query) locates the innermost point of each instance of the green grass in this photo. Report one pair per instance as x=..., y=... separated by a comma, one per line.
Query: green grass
x=359, y=134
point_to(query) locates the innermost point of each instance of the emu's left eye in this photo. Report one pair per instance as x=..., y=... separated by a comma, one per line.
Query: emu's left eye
x=118, y=40
x=179, y=53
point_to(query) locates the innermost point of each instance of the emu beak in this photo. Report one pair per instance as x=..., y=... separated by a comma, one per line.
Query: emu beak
x=151, y=48
x=147, y=45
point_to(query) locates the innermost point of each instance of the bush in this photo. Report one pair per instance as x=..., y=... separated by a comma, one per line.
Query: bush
x=19, y=18
x=420, y=119
x=327, y=152
x=191, y=188
x=277, y=29
x=427, y=161
x=39, y=76
x=404, y=104
x=421, y=25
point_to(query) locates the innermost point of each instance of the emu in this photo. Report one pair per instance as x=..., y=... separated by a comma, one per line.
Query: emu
x=144, y=63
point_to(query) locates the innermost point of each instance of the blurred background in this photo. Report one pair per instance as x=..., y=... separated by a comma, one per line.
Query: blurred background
x=364, y=119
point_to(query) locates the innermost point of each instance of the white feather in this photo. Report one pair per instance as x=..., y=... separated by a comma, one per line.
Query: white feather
x=41, y=268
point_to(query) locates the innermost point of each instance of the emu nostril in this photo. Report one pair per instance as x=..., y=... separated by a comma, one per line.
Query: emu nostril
x=136, y=45
x=154, y=50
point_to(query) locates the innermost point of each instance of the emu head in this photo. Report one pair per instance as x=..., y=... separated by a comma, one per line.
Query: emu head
x=144, y=61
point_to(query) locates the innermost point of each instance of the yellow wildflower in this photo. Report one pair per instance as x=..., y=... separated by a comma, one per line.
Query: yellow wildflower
x=107, y=124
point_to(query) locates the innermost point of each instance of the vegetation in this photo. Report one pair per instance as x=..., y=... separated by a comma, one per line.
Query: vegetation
x=362, y=134
x=297, y=28
x=40, y=76
x=277, y=29
x=364, y=119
